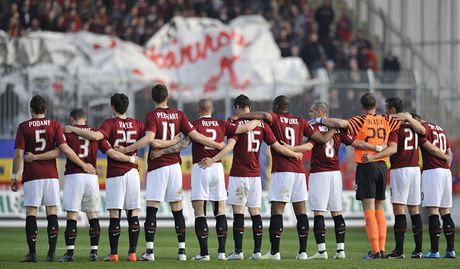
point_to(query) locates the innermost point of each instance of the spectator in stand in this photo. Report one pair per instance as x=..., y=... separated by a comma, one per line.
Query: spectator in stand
x=313, y=54
x=392, y=67
x=344, y=26
x=360, y=41
x=368, y=58
x=324, y=17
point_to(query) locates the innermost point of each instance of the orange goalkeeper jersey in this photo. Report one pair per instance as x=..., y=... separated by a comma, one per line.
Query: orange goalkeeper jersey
x=374, y=129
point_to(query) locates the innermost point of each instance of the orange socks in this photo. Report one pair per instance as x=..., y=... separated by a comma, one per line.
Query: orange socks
x=382, y=224
x=372, y=229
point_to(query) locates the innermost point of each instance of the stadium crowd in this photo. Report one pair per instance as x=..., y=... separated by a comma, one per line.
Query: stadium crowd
x=321, y=37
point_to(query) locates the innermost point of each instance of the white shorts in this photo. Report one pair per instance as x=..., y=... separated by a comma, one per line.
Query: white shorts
x=287, y=187
x=325, y=191
x=405, y=185
x=245, y=191
x=124, y=192
x=209, y=183
x=81, y=193
x=437, y=188
x=40, y=192
x=164, y=184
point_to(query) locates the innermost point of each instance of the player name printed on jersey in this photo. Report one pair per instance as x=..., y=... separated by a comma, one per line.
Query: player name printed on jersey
x=290, y=129
x=215, y=130
x=39, y=136
x=167, y=116
x=437, y=136
x=289, y=120
x=38, y=123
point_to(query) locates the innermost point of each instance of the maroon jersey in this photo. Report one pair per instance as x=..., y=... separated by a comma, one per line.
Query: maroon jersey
x=120, y=132
x=408, y=142
x=437, y=136
x=39, y=136
x=326, y=156
x=166, y=123
x=86, y=150
x=215, y=130
x=247, y=149
x=291, y=130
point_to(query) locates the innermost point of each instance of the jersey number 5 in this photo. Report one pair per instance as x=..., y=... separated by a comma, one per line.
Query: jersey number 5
x=40, y=139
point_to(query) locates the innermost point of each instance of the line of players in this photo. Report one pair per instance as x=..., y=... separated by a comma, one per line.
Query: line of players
x=164, y=179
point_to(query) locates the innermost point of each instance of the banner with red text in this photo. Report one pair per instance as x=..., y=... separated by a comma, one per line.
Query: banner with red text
x=195, y=57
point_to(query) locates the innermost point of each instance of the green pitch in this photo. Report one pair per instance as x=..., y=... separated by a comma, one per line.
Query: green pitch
x=13, y=247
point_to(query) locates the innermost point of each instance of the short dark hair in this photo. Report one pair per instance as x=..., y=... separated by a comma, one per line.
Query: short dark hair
x=368, y=101
x=242, y=101
x=38, y=104
x=77, y=114
x=159, y=93
x=416, y=116
x=120, y=102
x=281, y=103
x=396, y=103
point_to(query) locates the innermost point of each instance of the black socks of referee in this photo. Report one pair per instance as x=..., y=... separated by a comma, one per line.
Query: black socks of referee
x=302, y=231
x=70, y=235
x=319, y=229
x=400, y=228
x=133, y=231
x=275, y=230
x=238, y=231
x=221, y=230
x=150, y=228
x=201, y=231
x=257, y=232
x=179, y=224
x=53, y=232
x=114, y=235
x=434, y=226
x=31, y=233
x=448, y=227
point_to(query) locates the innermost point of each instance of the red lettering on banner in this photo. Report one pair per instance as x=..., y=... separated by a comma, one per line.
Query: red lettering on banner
x=226, y=64
x=192, y=53
x=113, y=44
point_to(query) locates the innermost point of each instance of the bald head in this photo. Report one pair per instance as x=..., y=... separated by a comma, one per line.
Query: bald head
x=281, y=104
x=321, y=109
x=205, y=107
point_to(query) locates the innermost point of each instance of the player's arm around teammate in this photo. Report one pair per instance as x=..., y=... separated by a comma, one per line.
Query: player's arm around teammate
x=148, y=139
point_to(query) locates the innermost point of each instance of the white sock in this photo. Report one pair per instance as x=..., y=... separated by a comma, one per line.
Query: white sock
x=322, y=247
x=340, y=246
x=149, y=245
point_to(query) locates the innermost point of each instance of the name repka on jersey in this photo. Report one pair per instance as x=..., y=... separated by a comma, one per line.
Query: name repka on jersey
x=213, y=129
